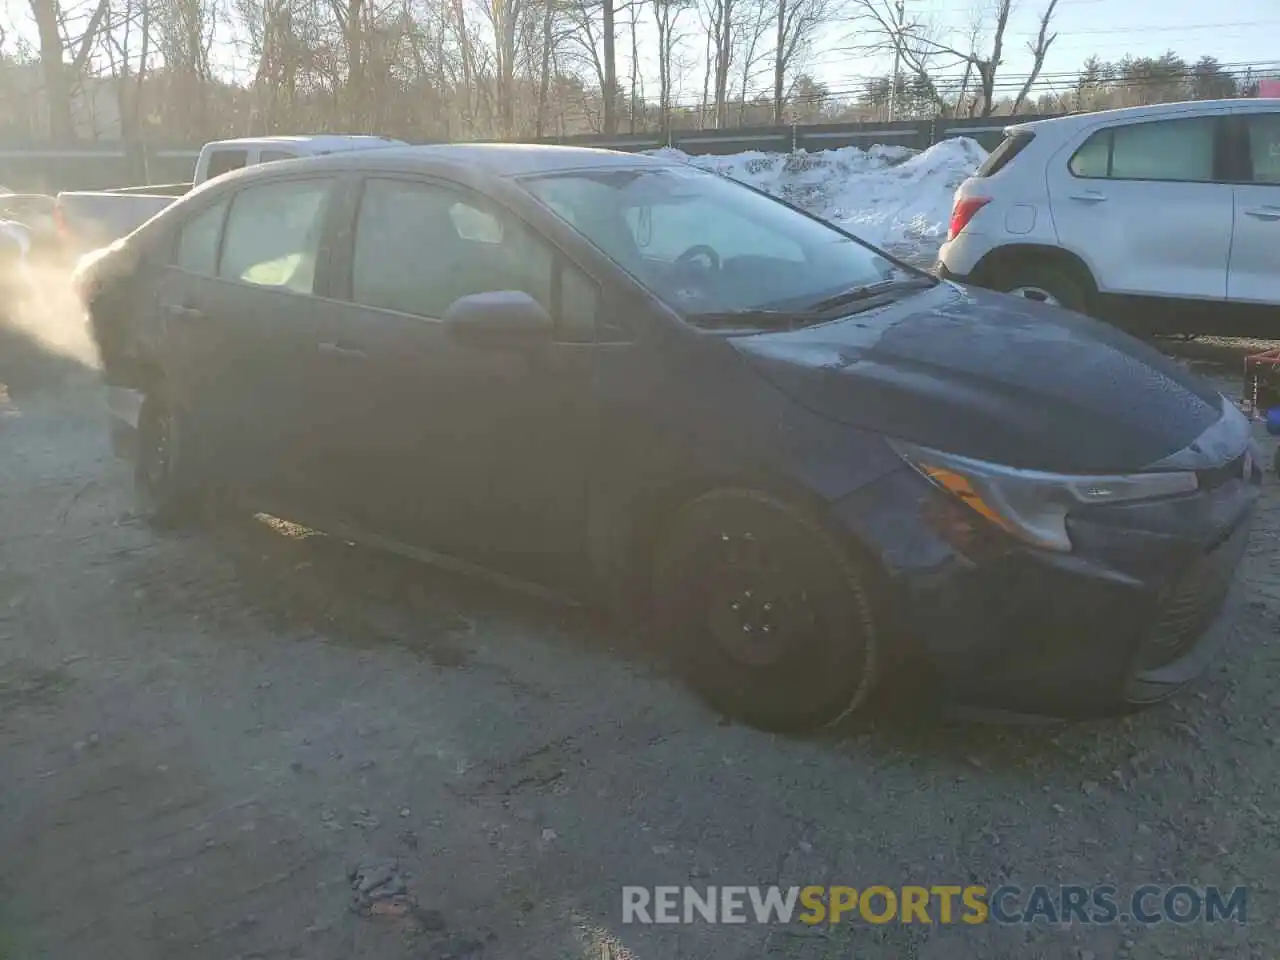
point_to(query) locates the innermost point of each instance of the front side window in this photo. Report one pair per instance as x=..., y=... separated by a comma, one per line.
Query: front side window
x=1264, y=147
x=271, y=156
x=198, y=241
x=1180, y=151
x=707, y=245
x=421, y=246
x=274, y=234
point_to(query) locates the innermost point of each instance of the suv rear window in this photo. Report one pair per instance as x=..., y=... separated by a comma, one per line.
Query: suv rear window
x=224, y=161
x=999, y=158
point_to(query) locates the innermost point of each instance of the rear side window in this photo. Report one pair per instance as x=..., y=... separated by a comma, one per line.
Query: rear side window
x=270, y=156
x=1179, y=151
x=224, y=161
x=198, y=241
x=274, y=234
x=1093, y=159
x=1264, y=147
x=999, y=158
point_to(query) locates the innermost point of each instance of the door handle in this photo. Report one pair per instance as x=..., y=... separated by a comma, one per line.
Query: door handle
x=332, y=349
x=1263, y=213
x=1090, y=196
x=184, y=312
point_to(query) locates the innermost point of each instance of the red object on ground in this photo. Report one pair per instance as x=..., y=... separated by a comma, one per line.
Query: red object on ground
x=1269, y=88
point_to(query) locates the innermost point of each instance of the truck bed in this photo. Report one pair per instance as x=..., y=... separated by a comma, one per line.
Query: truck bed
x=94, y=218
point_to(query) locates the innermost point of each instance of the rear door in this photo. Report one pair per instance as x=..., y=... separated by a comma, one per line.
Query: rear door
x=1255, y=253
x=476, y=452
x=241, y=340
x=1149, y=206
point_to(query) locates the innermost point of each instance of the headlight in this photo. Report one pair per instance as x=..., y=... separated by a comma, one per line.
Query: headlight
x=1032, y=505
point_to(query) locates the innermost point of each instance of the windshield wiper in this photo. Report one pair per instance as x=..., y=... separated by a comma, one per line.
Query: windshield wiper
x=869, y=291
x=761, y=319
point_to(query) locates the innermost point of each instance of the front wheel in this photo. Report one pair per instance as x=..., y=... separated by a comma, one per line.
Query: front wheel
x=765, y=611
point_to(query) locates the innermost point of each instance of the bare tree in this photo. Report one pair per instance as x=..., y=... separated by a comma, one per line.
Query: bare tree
x=796, y=23
x=752, y=24
x=57, y=82
x=60, y=77
x=544, y=73
x=636, y=105
x=132, y=23
x=609, y=88
x=878, y=28
x=351, y=16
x=666, y=13
x=1038, y=48
x=719, y=21
x=505, y=16
x=585, y=37
x=986, y=65
x=185, y=34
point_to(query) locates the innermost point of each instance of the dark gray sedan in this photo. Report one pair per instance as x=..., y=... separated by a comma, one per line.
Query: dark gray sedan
x=620, y=376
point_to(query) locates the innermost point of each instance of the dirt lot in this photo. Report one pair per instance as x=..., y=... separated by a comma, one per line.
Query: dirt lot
x=203, y=734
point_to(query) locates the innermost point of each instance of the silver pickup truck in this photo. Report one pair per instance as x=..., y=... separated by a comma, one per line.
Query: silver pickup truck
x=88, y=219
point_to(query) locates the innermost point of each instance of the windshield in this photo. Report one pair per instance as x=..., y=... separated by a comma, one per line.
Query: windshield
x=706, y=245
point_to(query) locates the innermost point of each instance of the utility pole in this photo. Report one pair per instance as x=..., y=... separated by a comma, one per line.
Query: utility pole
x=900, y=12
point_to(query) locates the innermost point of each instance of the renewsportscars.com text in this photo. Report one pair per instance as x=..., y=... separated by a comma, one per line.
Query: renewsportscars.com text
x=936, y=904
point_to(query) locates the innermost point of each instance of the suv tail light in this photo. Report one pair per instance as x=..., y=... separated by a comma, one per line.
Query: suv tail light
x=962, y=212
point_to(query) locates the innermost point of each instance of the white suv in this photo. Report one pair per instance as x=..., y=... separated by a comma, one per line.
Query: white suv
x=1164, y=217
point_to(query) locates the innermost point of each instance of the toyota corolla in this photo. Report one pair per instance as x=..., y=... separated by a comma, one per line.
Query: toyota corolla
x=618, y=376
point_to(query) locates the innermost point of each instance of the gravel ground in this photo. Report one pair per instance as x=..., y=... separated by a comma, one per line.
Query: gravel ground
x=206, y=736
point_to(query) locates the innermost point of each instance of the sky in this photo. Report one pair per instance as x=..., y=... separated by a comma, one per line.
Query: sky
x=1240, y=31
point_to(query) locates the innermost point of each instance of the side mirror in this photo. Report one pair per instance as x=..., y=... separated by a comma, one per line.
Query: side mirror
x=501, y=318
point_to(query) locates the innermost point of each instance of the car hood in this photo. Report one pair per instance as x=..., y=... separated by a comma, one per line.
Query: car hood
x=996, y=378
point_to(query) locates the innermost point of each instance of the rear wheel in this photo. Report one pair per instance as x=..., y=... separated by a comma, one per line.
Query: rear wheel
x=167, y=490
x=1044, y=283
x=765, y=611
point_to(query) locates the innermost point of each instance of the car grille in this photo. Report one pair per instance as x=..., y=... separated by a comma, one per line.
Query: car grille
x=1188, y=609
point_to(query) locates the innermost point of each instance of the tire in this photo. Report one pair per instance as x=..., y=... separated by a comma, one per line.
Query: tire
x=737, y=564
x=1044, y=283
x=167, y=490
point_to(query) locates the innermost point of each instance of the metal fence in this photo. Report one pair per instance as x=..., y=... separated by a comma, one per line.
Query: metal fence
x=36, y=168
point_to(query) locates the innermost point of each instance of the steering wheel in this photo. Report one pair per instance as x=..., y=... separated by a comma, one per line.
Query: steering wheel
x=700, y=250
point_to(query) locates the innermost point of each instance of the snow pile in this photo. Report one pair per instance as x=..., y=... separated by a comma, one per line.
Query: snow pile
x=894, y=197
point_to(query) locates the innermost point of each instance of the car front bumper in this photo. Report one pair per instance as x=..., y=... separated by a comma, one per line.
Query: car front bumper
x=1133, y=613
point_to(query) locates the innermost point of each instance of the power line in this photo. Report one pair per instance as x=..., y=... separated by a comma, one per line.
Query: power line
x=945, y=86
x=1139, y=29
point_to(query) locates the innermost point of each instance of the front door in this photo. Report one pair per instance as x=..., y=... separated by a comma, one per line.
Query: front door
x=476, y=452
x=1143, y=201
x=1255, y=255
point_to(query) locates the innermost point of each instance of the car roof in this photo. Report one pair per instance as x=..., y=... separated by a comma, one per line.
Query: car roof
x=518, y=159
x=323, y=141
x=1147, y=112
x=495, y=159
